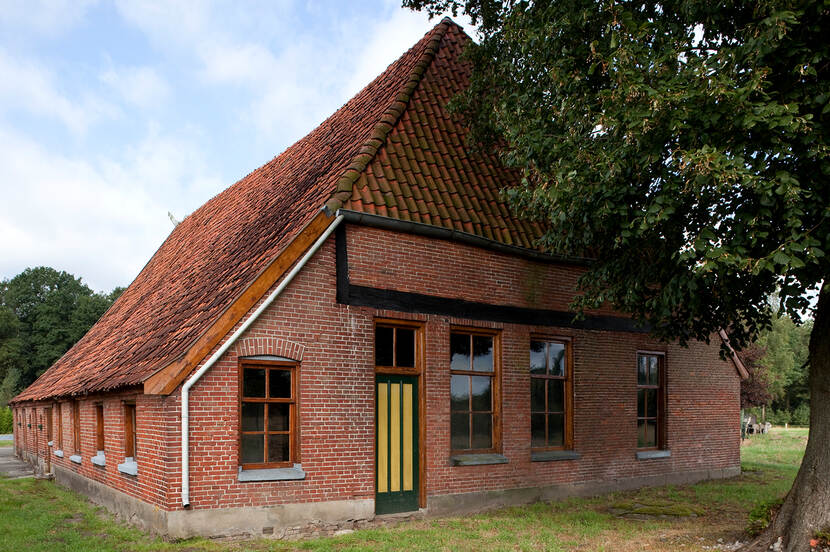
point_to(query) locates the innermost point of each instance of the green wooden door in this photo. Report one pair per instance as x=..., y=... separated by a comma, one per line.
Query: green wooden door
x=396, y=449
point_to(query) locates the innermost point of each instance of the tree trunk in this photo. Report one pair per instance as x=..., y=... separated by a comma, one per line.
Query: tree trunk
x=806, y=510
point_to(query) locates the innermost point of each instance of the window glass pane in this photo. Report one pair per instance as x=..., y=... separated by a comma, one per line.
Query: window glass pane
x=279, y=384
x=641, y=403
x=556, y=396
x=642, y=370
x=482, y=431
x=537, y=357
x=405, y=348
x=278, y=448
x=459, y=352
x=253, y=417
x=278, y=414
x=537, y=430
x=557, y=358
x=253, y=449
x=383, y=346
x=460, y=392
x=482, y=353
x=556, y=430
x=654, y=373
x=460, y=431
x=481, y=393
x=537, y=395
x=651, y=403
x=641, y=433
x=253, y=382
x=651, y=433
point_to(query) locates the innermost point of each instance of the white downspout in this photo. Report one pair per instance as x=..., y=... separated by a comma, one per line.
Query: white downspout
x=225, y=346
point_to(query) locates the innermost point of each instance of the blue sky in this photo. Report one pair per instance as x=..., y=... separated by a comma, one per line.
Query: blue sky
x=113, y=113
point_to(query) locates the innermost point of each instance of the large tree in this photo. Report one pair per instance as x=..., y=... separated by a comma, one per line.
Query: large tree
x=684, y=146
x=43, y=312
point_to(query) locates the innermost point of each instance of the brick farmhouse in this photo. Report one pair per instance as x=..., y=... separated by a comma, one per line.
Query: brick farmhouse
x=362, y=327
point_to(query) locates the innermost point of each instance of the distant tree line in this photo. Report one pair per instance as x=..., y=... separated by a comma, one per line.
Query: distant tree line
x=43, y=312
x=779, y=373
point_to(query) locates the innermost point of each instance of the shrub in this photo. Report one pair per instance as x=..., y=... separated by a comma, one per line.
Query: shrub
x=801, y=415
x=6, y=420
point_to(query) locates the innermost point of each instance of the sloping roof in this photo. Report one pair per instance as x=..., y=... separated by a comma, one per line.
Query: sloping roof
x=425, y=173
x=392, y=150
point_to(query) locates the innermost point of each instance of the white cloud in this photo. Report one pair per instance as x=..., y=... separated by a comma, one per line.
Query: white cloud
x=98, y=219
x=43, y=16
x=28, y=86
x=287, y=76
x=139, y=86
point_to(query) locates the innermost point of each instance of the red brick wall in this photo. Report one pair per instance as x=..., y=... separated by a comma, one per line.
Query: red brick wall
x=335, y=346
x=336, y=382
x=423, y=265
x=149, y=485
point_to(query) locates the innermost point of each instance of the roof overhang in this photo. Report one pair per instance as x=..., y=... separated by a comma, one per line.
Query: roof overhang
x=165, y=380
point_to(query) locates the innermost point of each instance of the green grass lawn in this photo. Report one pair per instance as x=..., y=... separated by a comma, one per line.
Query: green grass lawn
x=41, y=516
x=6, y=443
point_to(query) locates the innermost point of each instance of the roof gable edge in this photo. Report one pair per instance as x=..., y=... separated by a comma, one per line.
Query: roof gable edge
x=388, y=120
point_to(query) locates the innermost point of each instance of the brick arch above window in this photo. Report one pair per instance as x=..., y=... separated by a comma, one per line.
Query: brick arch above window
x=271, y=346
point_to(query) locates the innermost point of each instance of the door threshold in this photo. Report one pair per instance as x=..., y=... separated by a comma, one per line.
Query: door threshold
x=420, y=513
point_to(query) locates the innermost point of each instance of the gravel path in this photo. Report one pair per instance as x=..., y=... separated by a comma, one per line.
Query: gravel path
x=11, y=466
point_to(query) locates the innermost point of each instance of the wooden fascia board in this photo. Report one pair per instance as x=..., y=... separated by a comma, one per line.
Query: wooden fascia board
x=166, y=379
x=736, y=360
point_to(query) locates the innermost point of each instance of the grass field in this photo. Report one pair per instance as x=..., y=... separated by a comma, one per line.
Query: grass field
x=41, y=516
x=6, y=443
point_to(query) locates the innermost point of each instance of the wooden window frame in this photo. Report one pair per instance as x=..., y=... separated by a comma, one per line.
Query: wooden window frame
x=495, y=386
x=59, y=416
x=47, y=413
x=99, y=427
x=420, y=346
x=130, y=438
x=660, y=419
x=76, y=426
x=569, y=402
x=293, y=412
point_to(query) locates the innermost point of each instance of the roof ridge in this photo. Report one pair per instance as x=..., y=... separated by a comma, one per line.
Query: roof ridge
x=367, y=152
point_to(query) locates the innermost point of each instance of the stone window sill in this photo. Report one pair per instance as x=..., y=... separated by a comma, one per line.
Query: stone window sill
x=129, y=467
x=477, y=459
x=49, y=444
x=651, y=454
x=273, y=474
x=75, y=458
x=99, y=459
x=554, y=455
x=59, y=453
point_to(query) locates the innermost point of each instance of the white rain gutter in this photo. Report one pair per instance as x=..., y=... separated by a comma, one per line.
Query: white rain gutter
x=225, y=346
